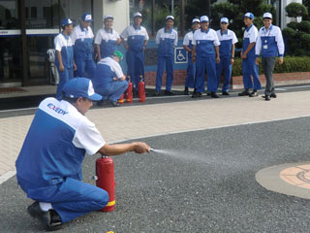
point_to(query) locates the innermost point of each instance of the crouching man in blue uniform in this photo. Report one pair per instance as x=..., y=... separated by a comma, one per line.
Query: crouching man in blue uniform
x=49, y=164
x=228, y=40
x=109, y=80
x=270, y=44
x=64, y=55
x=167, y=39
x=137, y=38
x=82, y=39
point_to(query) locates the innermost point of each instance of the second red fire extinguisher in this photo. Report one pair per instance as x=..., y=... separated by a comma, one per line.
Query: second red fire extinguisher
x=141, y=90
x=128, y=92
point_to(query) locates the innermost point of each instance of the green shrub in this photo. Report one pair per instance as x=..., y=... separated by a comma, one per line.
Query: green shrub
x=290, y=65
x=293, y=25
x=289, y=32
x=305, y=41
x=304, y=26
x=296, y=9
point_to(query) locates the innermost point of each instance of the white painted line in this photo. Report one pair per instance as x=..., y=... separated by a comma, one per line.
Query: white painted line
x=18, y=109
x=7, y=176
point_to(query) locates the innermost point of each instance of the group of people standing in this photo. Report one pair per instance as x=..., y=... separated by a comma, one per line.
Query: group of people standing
x=209, y=51
x=214, y=51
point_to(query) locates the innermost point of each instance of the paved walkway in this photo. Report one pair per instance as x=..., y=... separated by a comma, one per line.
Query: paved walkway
x=129, y=122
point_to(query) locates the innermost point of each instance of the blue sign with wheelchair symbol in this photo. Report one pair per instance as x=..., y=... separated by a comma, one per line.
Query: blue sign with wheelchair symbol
x=180, y=55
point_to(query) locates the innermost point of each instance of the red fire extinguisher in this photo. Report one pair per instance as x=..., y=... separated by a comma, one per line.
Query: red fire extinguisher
x=121, y=99
x=141, y=90
x=128, y=92
x=105, y=180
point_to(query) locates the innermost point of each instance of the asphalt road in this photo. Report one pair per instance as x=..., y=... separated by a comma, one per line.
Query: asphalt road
x=205, y=184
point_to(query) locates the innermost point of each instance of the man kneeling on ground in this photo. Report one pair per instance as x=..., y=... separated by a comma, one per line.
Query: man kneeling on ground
x=49, y=166
x=109, y=80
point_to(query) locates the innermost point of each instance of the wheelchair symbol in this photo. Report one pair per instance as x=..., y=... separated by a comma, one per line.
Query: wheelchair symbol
x=180, y=56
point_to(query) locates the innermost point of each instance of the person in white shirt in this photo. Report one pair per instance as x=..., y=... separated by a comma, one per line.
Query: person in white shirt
x=167, y=39
x=82, y=40
x=107, y=39
x=206, y=54
x=228, y=40
x=191, y=66
x=270, y=45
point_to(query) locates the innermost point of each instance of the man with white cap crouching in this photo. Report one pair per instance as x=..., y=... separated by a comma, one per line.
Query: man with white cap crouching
x=270, y=44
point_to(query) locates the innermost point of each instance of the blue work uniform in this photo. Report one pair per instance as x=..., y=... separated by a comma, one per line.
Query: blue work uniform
x=136, y=36
x=82, y=39
x=205, y=42
x=49, y=164
x=103, y=80
x=63, y=44
x=249, y=66
x=227, y=39
x=191, y=67
x=166, y=40
x=107, y=41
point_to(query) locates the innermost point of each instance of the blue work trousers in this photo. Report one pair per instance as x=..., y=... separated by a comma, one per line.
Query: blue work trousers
x=190, y=73
x=64, y=77
x=135, y=63
x=249, y=69
x=226, y=65
x=83, y=65
x=206, y=64
x=112, y=91
x=162, y=61
x=71, y=198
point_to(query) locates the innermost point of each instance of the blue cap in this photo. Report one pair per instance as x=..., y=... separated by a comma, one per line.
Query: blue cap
x=204, y=19
x=80, y=87
x=66, y=21
x=249, y=15
x=87, y=17
x=224, y=20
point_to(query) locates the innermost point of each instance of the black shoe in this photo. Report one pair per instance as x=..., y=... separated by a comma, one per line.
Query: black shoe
x=169, y=93
x=244, y=93
x=267, y=97
x=208, y=93
x=214, y=95
x=273, y=95
x=156, y=93
x=186, y=92
x=50, y=219
x=225, y=93
x=196, y=95
x=253, y=94
x=115, y=104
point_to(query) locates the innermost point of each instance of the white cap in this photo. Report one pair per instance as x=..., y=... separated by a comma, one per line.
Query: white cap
x=204, y=19
x=267, y=15
x=170, y=17
x=224, y=20
x=195, y=21
x=108, y=17
x=249, y=15
x=137, y=14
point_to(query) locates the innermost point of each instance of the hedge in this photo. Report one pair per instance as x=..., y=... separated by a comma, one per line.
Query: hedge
x=290, y=65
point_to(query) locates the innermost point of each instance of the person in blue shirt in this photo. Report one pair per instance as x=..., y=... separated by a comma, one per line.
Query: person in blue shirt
x=249, y=67
x=109, y=80
x=206, y=54
x=228, y=40
x=107, y=39
x=188, y=46
x=137, y=38
x=49, y=165
x=64, y=60
x=167, y=39
x=82, y=40
x=270, y=45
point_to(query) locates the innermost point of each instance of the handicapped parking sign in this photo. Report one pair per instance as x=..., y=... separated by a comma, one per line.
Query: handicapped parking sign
x=180, y=55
